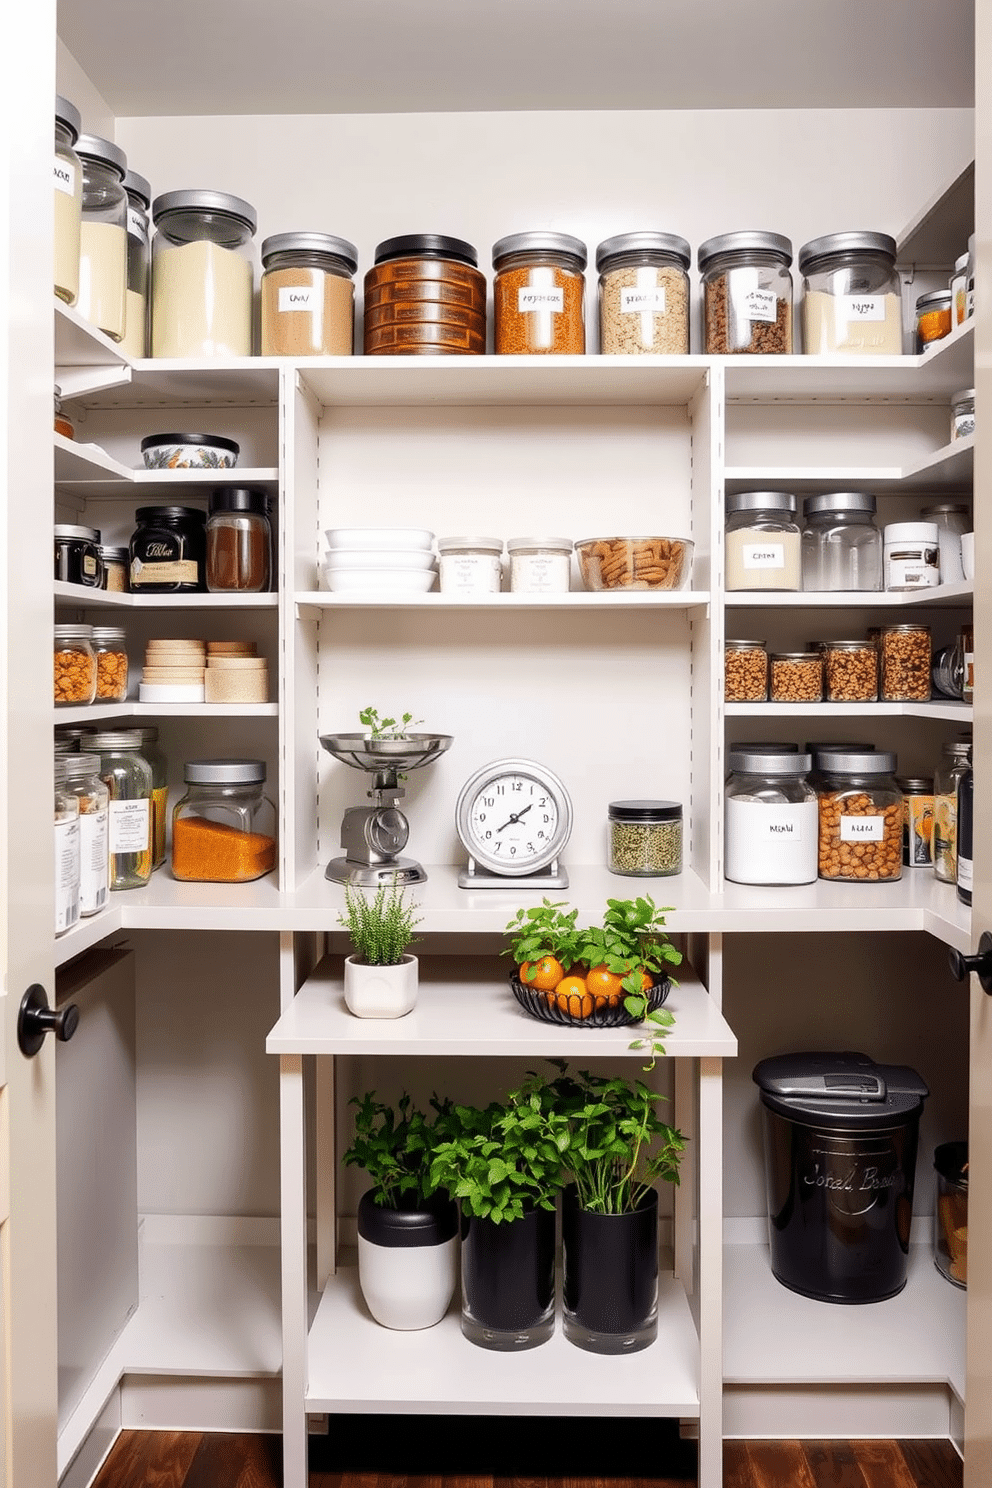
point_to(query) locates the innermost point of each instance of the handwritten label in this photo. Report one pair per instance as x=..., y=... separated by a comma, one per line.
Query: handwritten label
x=763, y=555
x=862, y=828
x=863, y=307
x=65, y=176
x=760, y=304
x=137, y=225
x=635, y=301
x=531, y=299
x=778, y=824
x=299, y=297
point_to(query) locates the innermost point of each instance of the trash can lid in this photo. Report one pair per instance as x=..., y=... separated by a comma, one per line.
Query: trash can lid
x=847, y=1090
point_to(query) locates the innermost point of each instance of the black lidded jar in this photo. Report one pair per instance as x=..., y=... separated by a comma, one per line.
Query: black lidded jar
x=425, y=295
x=77, y=555
x=168, y=550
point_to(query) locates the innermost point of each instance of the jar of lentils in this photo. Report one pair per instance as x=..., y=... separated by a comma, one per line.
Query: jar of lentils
x=745, y=672
x=850, y=671
x=747, y=293
x=904, y=663
x=795, y=677
x=861, y=812
x=539, y=294
x=644, y=294
x=645, y=838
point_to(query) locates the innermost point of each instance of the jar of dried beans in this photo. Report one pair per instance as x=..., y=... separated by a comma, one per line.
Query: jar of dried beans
x=425, y=296
x=795, y=677
x=904, y=663
x=308, y=297
x=747, y=293
x=645, y=838
x=75, y=666
x=860, y=808
x=110, y=649
x=223, y=829
x=850, y=671
x=644, y=294
x=745, y=672
x=538, y=294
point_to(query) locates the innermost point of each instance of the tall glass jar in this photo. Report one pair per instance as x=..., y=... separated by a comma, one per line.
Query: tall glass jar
x=860, y=818
x=539, y=294
x=68, y=200
x=239, y=541
x=771, y=818
x=852, y=301
x=425, y=296
x=842, y=548
x=308, y=296
x=203, y=275
x=74, y=665
x=224, y=828
x=950, y=767
x=153, y=755
x=103, y=236
x=762, y=541
x=66, y=853
x=952, y=519
x=83, y=782
x=110, y=649
x=139, y=265
x=128, y=778
x=747, y=293
x=745, y=671
x=644, y=294
x=904, y=660
x=966, y=833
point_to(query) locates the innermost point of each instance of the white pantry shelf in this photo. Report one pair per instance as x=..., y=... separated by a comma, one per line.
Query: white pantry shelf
x=945, y=596
x=931, y=378
x=951, y=467
x=612, y=599
x=951, y=712
x=78, y=594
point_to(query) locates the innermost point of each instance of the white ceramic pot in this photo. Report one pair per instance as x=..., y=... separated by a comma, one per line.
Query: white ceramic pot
x=407, y=1262
x=380, y=991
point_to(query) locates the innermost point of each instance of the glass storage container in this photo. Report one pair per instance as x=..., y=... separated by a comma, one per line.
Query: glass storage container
x=963, y=414
x=539, y=294
x=203, y=275
x=952, y=521
x=224, y=828
x=114, y=563
x=425, y=296
x=770, y=827
x=139, y=265
x=110, y=649
x=103, y=236
x=912, y=556
x=966, y=643
x=539, y=565
x=168, y=550
x=762, y=542
x=841, y=546
x=308, y=295
x=850, y=671
x=470, y=565
x=917, y=820
x=947, y=671
x=818, y=748
x=950, y=767
x=966, y=826
x=61, y=421
x=644, y=294
x=747, y=293
x=745, y=672
x=950, y=1231
x=852, y=301
x=959, y=290
x=239, y=541
x=904, y=663
x=75, y=666
x=795, y=677
x=933, y=318
x=83, y=781
x=860, y=818
x=77, y=555
x=66, y=853
x=154, y=757
x=645, y=838
x=68, y=200
x=128, y=778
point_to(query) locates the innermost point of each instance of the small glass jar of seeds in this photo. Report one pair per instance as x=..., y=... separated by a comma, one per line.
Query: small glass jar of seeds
x=645, y=838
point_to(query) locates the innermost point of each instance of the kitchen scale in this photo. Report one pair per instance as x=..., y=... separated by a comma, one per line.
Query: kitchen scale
x=374, y=836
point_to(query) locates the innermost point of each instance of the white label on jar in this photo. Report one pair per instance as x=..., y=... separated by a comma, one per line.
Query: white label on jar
x=65, y=176
x=770, y=844
x=636, y=301
x=539, y=573
x=965, y=873
x=470, y=573
x=130, y=825
x=863, y=307
x=763, y=555
x=66, y=874
x=760, y=304
x=137, y=225
x=912, y=567
x=300, y=297
x=862, y=828
x=182, y=571
x=94, y=861
x=532, y=298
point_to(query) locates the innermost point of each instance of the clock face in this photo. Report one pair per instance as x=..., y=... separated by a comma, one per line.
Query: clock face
x=514, y=817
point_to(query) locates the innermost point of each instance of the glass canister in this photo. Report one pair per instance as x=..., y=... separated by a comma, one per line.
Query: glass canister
x=75, y=666
x=539, y=294
x=645, y=838
x=114, y=563
x=139, y=265
x=128, y=778
x=762, y=542
x=103, y=236
x=860, y=808
x=933, y=318
x=841, y=546
x=168, y=550
x=110, y=649
x=644, y=294
x=68, y=200
x=470, y=565
x=82, y=780
x=966, y=645
x=539, y=565
x=795, y=677
x=61, y=421
x=950, y=767
x=66, y=853
x=239, y=541
x=203, y=275
x=747, y=293
x=745, y=672
x=917, y=820
x=850, y=671
x=770, y=826
x=963, y=414
x=852, y=301
x=904, y=663
x=425, y=295
x=952, y=520
x=308, y=295
x=224, y=828
x=911, y=556
x=152, y=754
x=964, y=875
x=959, y=290
x=77, y=555
x=950, y=1231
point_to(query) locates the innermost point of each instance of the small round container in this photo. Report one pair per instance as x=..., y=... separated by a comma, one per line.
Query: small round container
x=425, y=296
x=912, y=556
x=539, y=294
x=103, y=236
x=470, y=565
x=239, y=541
x=860, y=809
x=963, y=414
x=139, y=265
x=539, y=565
x=61, y=421
x=634, y=562
x=745, y=672
x=168, y=550
x=75, y=666
x=852, y=301
x=952, y=520
x=110, y=649
x=795, y=677
x=959, y=290
x=644, y=294
x=841, y=546
x=645, y=838
x=850, y=671
x=67, y=853
x=224, y=828
x=762, y=543
x=951, y=767
x=771, y=818
x=747, y=293
x=203, y=275
x=189, y=452
x=68, y=183
x=115, y=563
x=933, y=318
x=308, y=295
x=950, y=1231
x=82, y=780
x=904, y=663
x=917, y=820
x=77, y=555
x=128, y=778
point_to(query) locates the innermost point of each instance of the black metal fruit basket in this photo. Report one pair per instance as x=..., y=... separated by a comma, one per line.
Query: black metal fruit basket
x=588, y=1011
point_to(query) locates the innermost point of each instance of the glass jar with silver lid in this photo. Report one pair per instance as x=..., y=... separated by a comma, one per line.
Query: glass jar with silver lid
x=771, y=818
x=308, y=295
x=139, y=264
x=747, y=293
x=841, y=546
x=762, y=541
x=128, y=778
x=103, y=236
x=852, y=301
x=539, y=294
x=68, y=200
x=644, y=294
x=203, y=274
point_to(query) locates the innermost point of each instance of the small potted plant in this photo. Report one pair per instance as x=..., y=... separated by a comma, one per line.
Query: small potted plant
x=407, y=1227
x=380, y=976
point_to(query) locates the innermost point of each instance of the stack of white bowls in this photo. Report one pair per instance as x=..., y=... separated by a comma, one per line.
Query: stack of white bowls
x=379, y=558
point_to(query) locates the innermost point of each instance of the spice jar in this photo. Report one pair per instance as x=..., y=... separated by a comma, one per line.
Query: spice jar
x=425, y=296
x=933, y=318
x=912, y=556
x=308, y=297
x=644, y=294
x=917, y=820
x=66, y=853
x=75, y=666
x=745, y=672
x=77, y=555
x=62, y=423
x=203, y=273
x=114, y=563
x=239, y=541
x=950, y=767
x=68, y=200
x=850, y=671
x=904, y=663
x=645, y=838
x=103, y=236
x=168, y=550
x=110, y=649
x=851, y=295
x=470, y=565
x=128, y=779
x=860, y=818
x=952, y=521
x=539, y=565
x=963, y=414
x=139, y=265
x=841, y=546
x=153, y=756
x=795, y=677
x=83, y=781
x=770, y=827
x=538, y=294
x=223, y=829
x=762, y=541
x=747, y=293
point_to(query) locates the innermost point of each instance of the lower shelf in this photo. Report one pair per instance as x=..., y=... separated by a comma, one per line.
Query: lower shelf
x=355, y=1365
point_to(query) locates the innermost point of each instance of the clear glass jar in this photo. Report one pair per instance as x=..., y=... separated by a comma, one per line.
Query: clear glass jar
x=770, y=829
x=644, y=294
x=747, y=293
x=947, y=671
x=66, y=853
x=952, y=521
x=61, y=421
x=110, y=649
x=139, y=265
x=68, y=200
x=425, y=296
x=917, y=820
x=539, y=294
x=850, y=671
x=950, y=767
x=103, y=236
x=114, y=563
x=539, y=565
x=470, y=565
x=959, y=290
x=308, y=295
x=83, y=781
x=963, y=414
x=966, y=645
x=933, y=318
x=224, y=828
x=841, y=546
x=904, y=663
x=745, y=672
x=852, y=301
x=860, y=809
x=203, y=275
x=795, y=677
x=950, y=1229
x=762, y=542
x=77, y=555
x=75, y=666
x=154, y=757
x=966, y=831
x=239, y=541
x=911, y=556
x=128, y=778
x=645, y=838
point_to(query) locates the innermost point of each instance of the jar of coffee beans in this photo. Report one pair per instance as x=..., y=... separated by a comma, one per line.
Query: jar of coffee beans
x=861, y=811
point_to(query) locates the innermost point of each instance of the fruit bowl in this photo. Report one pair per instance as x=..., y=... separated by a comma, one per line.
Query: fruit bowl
x=592, y=1010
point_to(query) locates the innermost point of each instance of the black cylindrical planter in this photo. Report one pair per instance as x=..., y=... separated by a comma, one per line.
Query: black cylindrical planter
x=611, y=1276
x=508, y=1281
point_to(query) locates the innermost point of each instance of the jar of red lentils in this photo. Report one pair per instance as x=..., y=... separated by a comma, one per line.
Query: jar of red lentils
x=539, y=294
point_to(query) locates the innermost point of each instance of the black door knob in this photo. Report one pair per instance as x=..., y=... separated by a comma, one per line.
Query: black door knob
x=962, y=966
x=36, y=1018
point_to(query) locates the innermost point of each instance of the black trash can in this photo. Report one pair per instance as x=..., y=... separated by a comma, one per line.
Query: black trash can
x=840, y=1158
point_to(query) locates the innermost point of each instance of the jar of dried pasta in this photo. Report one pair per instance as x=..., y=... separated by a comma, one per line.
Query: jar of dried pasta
x=904, y=663
x=425, y=296
x=745, y=672
x=747, y=293
x=644, y=294
x=538, y=294
x=850, y=671
x=308, y=295
x=860, y=807
x=795, y=677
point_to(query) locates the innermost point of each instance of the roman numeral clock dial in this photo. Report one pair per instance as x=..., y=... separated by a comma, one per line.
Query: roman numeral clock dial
x=514, y=817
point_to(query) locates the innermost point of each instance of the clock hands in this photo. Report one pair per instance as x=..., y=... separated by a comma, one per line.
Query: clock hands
x=515, y=816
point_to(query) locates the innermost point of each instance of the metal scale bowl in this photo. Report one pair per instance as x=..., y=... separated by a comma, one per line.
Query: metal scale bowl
x=374, y=836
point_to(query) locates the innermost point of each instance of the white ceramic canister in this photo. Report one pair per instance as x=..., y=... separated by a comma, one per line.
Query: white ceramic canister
x=911, y=555
x=539, y=565
x=771, y=825
x=470, y=565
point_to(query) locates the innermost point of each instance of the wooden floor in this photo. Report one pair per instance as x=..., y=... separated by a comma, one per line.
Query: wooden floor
x=501, y=1452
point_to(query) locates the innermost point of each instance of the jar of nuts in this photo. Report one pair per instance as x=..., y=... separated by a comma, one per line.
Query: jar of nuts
x=796, y=677
x=75, y=666
x=745, y=672
x=747, y=293
x=111, y=663
x=645, y=838
x=850, y=671
x=861, y=811
x=644, y=294
x=904, y=663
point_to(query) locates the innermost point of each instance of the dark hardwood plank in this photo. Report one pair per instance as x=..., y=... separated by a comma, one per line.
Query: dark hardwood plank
x=236, y=1460
x=779, y=1465
x=933, y=1464
x=736, y=1468
x=882, y=1464
x=832, y=1464
x=149, y=1459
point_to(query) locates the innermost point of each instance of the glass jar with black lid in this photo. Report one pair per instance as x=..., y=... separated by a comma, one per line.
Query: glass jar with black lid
x=168, y=550
x=425, y=296
x=77, y=555
x=239, y=541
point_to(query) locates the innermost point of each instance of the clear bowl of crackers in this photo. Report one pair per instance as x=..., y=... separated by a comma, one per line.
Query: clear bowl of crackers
x=634, y=562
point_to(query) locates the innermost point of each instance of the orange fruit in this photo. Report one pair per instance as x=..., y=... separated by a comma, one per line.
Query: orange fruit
x=544, y=974
x=605, y=987
x=572, y=996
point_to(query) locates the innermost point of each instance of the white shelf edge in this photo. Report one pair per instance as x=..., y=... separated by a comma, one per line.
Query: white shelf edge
x=959, y=451
x=73, y=452
x=951, y=711
x=960, y=592
x=79, y=595
x=679, y=599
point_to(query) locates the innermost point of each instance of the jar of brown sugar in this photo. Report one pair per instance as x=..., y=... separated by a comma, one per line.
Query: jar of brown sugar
x=308, y=297
x=539, y=294
x=747, y=293
x=239, y=541
x=425, y=296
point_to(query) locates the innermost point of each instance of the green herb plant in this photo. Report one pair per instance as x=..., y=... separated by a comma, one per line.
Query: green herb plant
x=394, y=1145
x=380, y=927
x=387, y=728
x=501, y=1161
